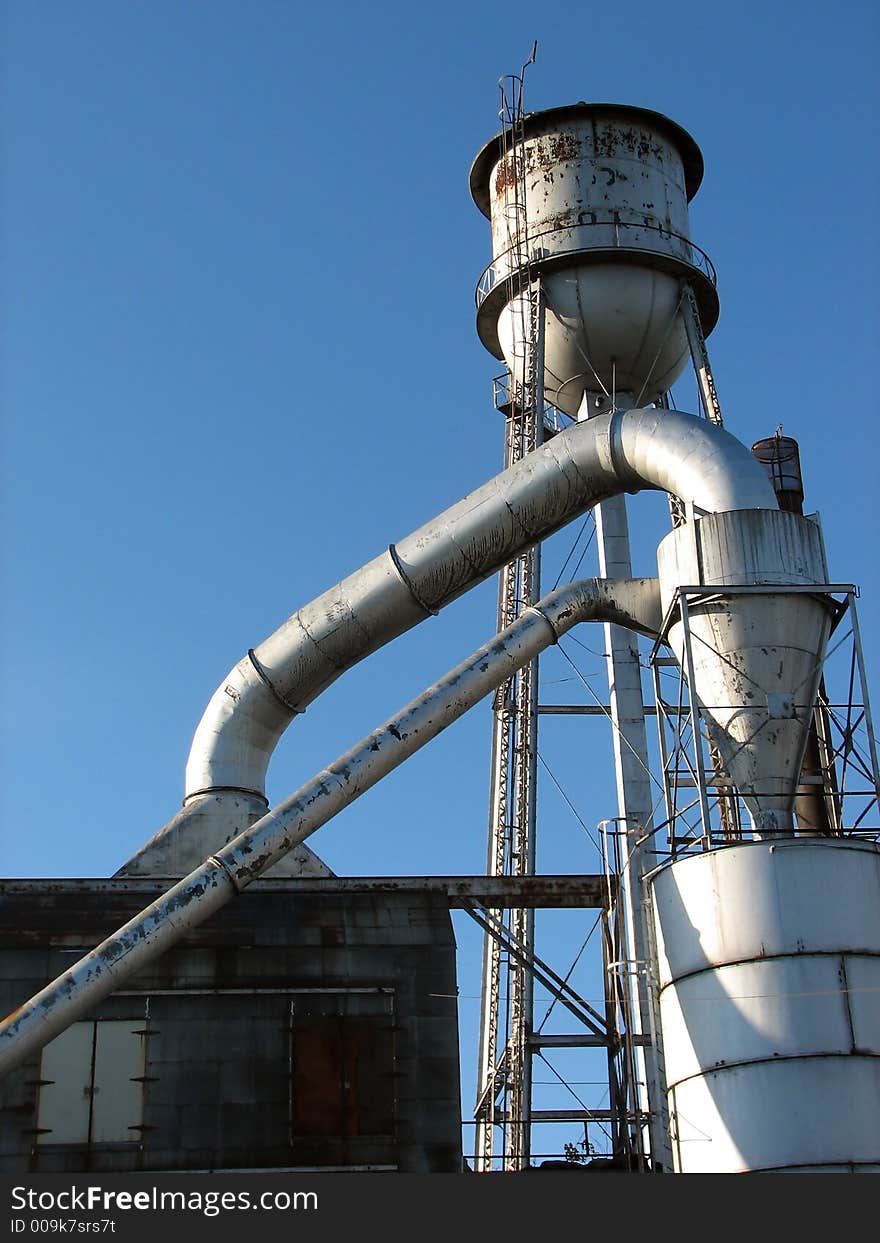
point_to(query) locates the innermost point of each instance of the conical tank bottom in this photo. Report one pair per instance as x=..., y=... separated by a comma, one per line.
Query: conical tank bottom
x=606, y=326
x=756, y=656
x=756, y=693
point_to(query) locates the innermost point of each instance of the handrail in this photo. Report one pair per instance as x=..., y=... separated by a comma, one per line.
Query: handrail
x=490, y=275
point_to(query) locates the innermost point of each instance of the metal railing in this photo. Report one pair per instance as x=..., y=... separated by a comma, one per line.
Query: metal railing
x=500, y=270
x=695, y=791
x=504, y=395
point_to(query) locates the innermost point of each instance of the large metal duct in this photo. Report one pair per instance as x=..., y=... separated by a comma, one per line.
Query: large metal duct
x=256, y=701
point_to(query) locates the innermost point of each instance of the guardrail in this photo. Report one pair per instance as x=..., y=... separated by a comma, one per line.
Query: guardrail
x=504, y=391
x=501, y=269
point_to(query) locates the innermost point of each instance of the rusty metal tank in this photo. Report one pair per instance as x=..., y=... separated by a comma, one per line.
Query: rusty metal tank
x=594, y=199
x=780, y=457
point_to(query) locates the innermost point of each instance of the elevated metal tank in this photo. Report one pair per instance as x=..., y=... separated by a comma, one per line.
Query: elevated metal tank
x=594, y=200
x=780, y=456
x=769, y=993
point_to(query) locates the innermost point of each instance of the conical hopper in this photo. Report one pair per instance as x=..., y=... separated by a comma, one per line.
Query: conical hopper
x=756, y=656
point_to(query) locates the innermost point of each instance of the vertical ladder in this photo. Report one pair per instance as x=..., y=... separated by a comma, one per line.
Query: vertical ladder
x=700, y=355
x=504, y=1077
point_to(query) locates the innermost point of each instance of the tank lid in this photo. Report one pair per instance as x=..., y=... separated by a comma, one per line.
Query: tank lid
x=487, y=157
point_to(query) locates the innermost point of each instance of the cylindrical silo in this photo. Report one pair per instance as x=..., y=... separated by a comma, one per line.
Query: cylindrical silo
x=594, y=198
x=769, y=1000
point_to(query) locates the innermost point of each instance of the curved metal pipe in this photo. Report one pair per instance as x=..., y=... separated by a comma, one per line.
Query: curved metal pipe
x=626, y=451
x=629, y=602
x=583, y=465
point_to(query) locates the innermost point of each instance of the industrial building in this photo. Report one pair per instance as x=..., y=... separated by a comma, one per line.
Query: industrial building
x=165, y=1019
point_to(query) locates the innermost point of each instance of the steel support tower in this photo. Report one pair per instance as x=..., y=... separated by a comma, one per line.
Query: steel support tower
x=504, y=1076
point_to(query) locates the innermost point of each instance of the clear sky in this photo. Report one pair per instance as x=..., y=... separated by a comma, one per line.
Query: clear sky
x=240, y=359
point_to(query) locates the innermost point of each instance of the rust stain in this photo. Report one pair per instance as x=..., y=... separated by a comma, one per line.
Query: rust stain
x=14, y=1015
x=610, y=141
x=563, y=148
x=538, y=157
x=606, y=141
x=505, y=174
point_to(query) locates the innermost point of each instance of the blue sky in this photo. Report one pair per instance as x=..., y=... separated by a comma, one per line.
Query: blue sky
x=240, y=360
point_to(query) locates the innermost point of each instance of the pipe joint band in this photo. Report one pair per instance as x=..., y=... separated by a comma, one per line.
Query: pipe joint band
x=243, y=790
x=407, y=582
x=267, y=682
x=630, y=479
x=217, y=862
x=533, y=608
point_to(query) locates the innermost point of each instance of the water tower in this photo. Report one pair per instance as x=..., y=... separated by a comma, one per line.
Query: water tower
x=591, y=200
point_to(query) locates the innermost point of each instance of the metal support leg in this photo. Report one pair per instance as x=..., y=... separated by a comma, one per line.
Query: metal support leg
x=635, y=808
